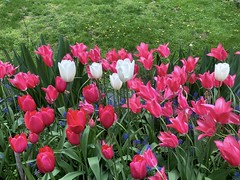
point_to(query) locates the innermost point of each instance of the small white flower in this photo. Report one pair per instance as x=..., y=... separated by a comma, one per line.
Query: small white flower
x=96, y=70
x=221, y=71
x=125, y=69
x=116, y=83
x=67, y=70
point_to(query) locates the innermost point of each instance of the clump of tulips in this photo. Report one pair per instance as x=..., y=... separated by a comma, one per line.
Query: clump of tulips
x=137, y=116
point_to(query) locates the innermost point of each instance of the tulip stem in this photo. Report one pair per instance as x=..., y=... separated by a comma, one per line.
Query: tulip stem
x=19, y=165
x=51, y=175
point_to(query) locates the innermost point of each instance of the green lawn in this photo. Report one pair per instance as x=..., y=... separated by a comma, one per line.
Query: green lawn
x=121, y=23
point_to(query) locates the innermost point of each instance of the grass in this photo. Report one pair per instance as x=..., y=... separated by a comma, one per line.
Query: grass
x=117, y=24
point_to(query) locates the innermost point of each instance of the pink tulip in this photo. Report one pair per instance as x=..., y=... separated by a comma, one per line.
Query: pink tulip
x=95, y=54
x=160, y=175
x=146, y=57
x=112, y=55
x=207, y=80
x=174, y=83
x=123, y=54
x=68, y=57
x=45, y=160
x=238, y=52
x=46, y=53
x=163, y=50
x=167, y=109
x=153, y=107
x=32, y=80
x=150, y=158
x=161, y=83
x=168, y=139
x=180, y=73
x=33, y=137
x=34, y=121
x=192, y=78
x=138, y=167
x=230, y=80
x=26, y=103
x=198, y=107
x=179, y=123
x=190, y=63
x=48, y=115
x=19, y=81
x=162, y=69
x=134, y=104
x=60, y=84
x=91, y=93
x=218, y=53
x=134, y=84
x=230, y=150
x=88, y=108
x=148, y=92
x=107, y=151
x=51, y=94
x=18, y=143
x=207, y=125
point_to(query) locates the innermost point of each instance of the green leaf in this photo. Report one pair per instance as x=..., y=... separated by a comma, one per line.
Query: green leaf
x=173, y=174
x=28, y=173
x=70, y=153
x=72, y=175
x=84, y=141
x=94, y=165
x=219, y=174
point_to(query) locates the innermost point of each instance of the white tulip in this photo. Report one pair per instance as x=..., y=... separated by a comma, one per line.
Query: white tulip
x=125, y=69
x=221, y=71
x=96, y=70
x=67, y=69
x=116, y=83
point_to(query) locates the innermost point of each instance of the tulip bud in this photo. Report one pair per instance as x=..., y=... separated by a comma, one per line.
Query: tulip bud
x=60, y=84
x=125, y=69
x=96, y=70
x=116, y=83
x=107, y=151
x=67, y=70
x=33, y=138
x=221, y=71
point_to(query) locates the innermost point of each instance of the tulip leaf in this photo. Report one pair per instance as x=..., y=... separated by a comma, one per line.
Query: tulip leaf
x=28, y=59
x=28, y=173
x=219, y=174
x=94, y=165
x=84, y=141
x=70, y=153
x=72, y=175
x=67, y=167
x=173, y=174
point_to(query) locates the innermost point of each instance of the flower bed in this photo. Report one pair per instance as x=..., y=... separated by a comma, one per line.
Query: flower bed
x=144, y=115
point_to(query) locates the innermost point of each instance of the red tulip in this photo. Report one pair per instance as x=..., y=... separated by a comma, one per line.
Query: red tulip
x=19, y=81
x=60, y=84
x=150, y=158
x=76, y=120
x=106, y=116
x=219, y=53
x=91, y=93
x=134, y=104
x=33, y=137
x=163, y=50
x=51, y=94
x=48, y=115
x=46, y=53
x=107, y=151
x=26, y=103
x=138, y=167
x=34, y=122
x=168, y=139
x=72, y=137
x=207, y=125
x=45, y=160
x=18, y=143
x=230, y=150
x=179, y=123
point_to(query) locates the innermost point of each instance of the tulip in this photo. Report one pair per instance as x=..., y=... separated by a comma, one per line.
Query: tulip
x=190, y=63
x=94, y=54
x=207, y=80
x=122, y=53
x=34, y=121
x=134, y=104
x=162, y=69
x=46, y=53
x=163, y=50
x=115, y=81
x=68, y=57
x=147, y=92
x=230, y=150
x=73, y=137
x=33, y=137
x=91, y=93
x=19, y=81
x=18, y=143
x=160, y=175
x=32, y=80
x=219, y=53
x=167, y=109
x=134, y=84
x=168, y=139
x=153, y=107
x=138, y=167
x=51, y=94
x=179, y=123
x=150, y=158
x=125, y=69
x=67, y=69
x=26, y=103
x=88, y=108
x=107, y=151
x=207, y=125
x=76, y=120
x=112, y=55
x=221, y=71
x=230, y=80
x=146, y=57
x=48, y=115
x=96, y=70
x=106, y=116
x=91, y=123
x=45, y=160
x=60, y=84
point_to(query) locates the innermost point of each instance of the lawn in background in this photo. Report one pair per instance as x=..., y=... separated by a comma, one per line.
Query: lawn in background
x=121, y=23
